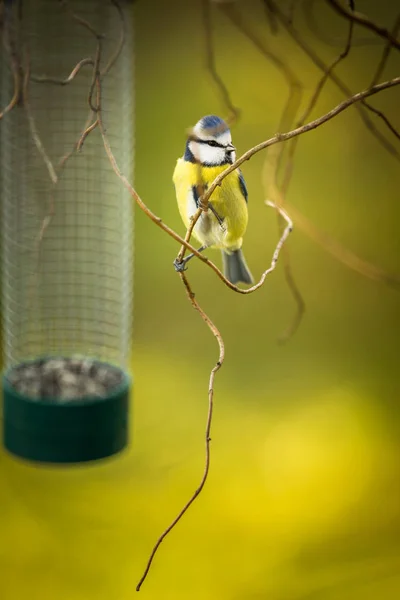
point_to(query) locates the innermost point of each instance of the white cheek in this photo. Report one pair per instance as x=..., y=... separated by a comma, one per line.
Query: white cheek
x=211, y=155
x=195, y=149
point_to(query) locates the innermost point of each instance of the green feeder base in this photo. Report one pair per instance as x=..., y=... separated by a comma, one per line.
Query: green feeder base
x=76, y=431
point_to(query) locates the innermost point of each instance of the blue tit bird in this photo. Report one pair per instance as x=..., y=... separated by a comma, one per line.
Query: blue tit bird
x=209, y=151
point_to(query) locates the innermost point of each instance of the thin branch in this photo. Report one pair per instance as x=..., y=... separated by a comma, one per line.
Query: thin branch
x=339, y=252
x=32, y=125
x=81, y=20
x=282, y=137
x=218, y=365
x=384, y=118
x=121, y=41
x=308, y=12
x=189, y=232
x=214, y=370
x=294, y=84
x=234, y=112
x=299, y=301
x=378, y=73
x=96, y=73
x=46, y=79
x=195, y=304
x=275, y=154
x=364, y=21
x=86, y=131
x=271, y=17
x=14, y=68
x=89, y=126
x=338, y=82
x=311, y=105
x=385, y=53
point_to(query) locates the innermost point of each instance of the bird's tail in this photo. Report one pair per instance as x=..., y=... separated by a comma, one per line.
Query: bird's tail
x=235, y=268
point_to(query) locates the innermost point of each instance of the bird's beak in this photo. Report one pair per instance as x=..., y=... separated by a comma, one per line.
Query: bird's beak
x=230, y=148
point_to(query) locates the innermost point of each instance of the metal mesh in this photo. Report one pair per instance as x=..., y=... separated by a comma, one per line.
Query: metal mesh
x=72, y=292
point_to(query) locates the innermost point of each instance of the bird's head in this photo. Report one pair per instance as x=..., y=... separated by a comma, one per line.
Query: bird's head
x=210, y=142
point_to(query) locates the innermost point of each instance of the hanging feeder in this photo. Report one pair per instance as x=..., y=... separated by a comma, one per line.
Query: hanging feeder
x=66, y=230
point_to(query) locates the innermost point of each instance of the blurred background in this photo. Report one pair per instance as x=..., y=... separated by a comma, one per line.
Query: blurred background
x=303, y=496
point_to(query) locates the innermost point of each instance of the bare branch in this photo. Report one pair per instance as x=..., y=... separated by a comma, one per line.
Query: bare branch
x=214, y=370
x=339, y=252
x=218, y=365
x=384, y=118
x=364, y=21
x=311, y=105
x=189, y=232
x=338, y=82
x=234, y=112
x=87, y=129
x=378, y=73
x=386, y=53
x=45, y=79
x=282, y=137
x=5, y=28
x=308, y=12
x=121, y=41
x=275, y=154
x=298, y=299
x=14, y=100
x=81, y=20
x=32, y=125
x=272, y=21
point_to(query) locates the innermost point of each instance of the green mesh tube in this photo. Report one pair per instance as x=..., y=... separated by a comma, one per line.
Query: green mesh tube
x=67, y=244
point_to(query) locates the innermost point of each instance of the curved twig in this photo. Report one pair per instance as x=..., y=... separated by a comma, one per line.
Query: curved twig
x=384, y=118
x=336, y=80
x=214, y=370
x=311, y=105
x=364, y=21
x=10, y=48
x=275, y=154
x=386, y=53
x=308, y=12
x=45, y=79
x=121, y=42
x=282, y=137
x=339, y=252
x=234, y=112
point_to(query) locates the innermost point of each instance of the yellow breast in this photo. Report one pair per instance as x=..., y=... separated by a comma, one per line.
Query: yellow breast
x=227, y=199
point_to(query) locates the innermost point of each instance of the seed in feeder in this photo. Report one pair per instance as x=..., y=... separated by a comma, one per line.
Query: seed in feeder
x=65, y=379
x=75, y=365
x=69, y=393
x=54, y=364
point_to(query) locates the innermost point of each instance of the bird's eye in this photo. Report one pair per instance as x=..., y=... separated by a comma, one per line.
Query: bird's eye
x=212, y=143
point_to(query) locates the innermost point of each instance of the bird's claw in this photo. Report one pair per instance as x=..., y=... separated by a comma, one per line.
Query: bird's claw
x=180, y=266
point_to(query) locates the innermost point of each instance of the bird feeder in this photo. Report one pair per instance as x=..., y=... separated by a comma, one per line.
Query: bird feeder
x=66, y=228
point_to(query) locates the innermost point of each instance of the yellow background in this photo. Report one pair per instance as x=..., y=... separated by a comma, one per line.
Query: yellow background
x=303, y=497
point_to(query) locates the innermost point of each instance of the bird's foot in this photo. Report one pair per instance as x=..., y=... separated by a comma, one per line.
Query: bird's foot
x=180, y=265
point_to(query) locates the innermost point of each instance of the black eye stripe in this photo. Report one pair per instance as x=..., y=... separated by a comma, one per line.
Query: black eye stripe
x=213, y=143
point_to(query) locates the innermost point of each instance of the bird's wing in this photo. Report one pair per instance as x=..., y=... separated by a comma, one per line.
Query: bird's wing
x=242, y=184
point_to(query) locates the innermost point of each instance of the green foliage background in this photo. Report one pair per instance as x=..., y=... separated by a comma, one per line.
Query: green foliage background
x=303, y=498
